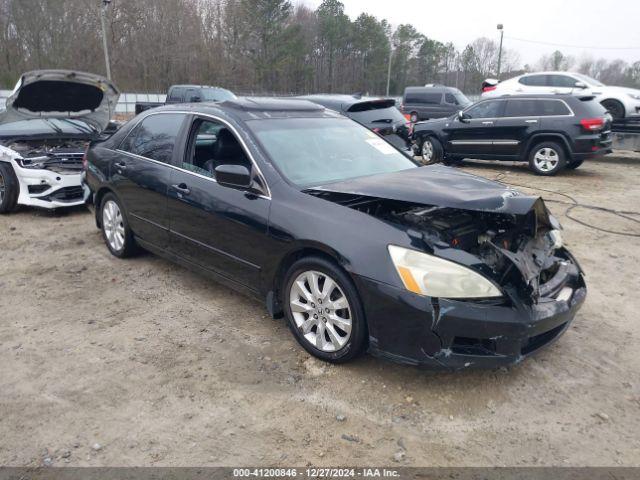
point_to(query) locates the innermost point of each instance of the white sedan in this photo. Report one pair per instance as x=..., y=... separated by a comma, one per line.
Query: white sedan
x=621, y=102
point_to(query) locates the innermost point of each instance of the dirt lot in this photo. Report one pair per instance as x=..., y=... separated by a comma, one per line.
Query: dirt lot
x=140, y=362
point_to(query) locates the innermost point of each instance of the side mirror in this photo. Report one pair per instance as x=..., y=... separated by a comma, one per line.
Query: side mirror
x=233, y=176
x=463, y=117
x=580, y=85
x=195, y=99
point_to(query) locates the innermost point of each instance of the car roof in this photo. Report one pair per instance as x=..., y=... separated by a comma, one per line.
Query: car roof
x=196, y=86
x=251, y=108
x=441, y=88
x=537, y=96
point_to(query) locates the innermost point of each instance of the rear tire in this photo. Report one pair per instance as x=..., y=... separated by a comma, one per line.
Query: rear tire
x=9, y=188
x=327, y=319
x=115, y=228
x=431, y=151
x=547, y=158
x=615, y=108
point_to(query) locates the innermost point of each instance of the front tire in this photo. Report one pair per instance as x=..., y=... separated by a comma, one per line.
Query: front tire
x=115, y=228
x=547, y=158
x=431, y=151
x=324, y=311
x=615, y=108
x=9, y=188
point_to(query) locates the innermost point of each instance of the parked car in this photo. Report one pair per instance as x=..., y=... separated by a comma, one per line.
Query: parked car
x=621, y=102
x=50, y=117
x=551, y=133
x=189, y=94
x=377, y=114
x=432, y=101
x=326, y=222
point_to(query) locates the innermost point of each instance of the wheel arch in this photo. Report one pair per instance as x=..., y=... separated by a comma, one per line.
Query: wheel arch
x=302, y=250
x=619, y=102
x=546, y=137
x=97, y=200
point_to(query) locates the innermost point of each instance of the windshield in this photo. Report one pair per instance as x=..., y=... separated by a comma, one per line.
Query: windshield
x=315, y=151
x=378, y=115
x=461, y=99
x=217, y=95
x=39, y=126
x=589, y=80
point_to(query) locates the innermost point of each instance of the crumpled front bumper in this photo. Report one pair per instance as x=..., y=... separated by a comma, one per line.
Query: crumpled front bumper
x=442, y=333
x=52, y=189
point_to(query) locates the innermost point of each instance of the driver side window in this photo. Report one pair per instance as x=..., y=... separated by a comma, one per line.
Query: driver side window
x=488, y=109
x=213, y=144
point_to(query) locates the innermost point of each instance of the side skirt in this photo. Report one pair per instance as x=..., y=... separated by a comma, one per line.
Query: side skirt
x=227, y=282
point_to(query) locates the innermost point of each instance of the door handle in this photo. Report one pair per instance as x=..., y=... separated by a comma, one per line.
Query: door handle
x=181, y=188
x=531, y=121
x=487, y=123
x=121, y=165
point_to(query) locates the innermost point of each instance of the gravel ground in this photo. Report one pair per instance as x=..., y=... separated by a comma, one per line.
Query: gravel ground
x=140, y=362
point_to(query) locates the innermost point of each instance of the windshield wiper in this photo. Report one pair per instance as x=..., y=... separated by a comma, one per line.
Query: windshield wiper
x=54, y=126
x=86, y=128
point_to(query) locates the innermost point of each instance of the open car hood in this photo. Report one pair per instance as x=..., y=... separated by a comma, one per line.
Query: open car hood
x=440, y=186
x=62, y=94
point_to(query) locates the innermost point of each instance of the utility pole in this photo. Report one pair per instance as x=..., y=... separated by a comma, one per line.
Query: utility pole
x=105, y=47
x=389, y=66
x=501, y=28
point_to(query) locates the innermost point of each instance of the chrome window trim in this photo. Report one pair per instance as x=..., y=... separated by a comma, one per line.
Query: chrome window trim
x=515, y=97
x=484, y=142
x=208, y=115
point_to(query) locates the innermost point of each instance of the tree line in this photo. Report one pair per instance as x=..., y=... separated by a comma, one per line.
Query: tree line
x=254, y=47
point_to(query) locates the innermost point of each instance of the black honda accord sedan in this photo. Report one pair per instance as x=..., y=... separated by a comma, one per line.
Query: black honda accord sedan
x=359, y=247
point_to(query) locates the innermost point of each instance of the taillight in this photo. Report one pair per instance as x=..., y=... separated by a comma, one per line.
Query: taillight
x=592, y=124
x=84, y=158
x=488, y=88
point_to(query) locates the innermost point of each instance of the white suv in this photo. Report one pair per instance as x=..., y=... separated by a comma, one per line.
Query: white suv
x=621, y=102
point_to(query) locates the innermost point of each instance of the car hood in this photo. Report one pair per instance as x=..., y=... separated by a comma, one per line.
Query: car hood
x=440, y=186
x=62, y=94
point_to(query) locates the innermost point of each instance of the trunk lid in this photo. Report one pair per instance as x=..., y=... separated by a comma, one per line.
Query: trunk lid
x=62, y=94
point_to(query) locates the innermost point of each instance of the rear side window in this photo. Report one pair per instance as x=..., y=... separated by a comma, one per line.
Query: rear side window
x=561, y=81
x=154, y=137
x=535, y=108
x=534, y=80
x=423, y=98
x=176, y=95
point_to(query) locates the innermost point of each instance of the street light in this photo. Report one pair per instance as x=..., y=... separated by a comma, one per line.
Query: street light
x=500, y=27
x=103, y=16
x=389, y=65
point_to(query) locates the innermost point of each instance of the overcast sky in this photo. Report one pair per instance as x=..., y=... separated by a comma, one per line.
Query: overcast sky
x=586, y=23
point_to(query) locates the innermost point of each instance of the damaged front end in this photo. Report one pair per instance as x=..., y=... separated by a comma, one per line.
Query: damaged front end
x=519, y=249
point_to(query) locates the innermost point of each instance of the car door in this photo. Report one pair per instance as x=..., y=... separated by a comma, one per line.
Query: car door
x=142, y=172
x=217, y=227
x=474, y=134
x=521, y=118
x=562, y=84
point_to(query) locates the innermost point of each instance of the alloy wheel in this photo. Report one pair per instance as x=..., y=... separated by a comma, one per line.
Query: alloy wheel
x=321, y=311
x=427, y=151
x=546, y=159
x=113, y=225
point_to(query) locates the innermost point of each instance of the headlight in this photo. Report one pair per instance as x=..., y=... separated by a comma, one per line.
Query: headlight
x=33, y=162
x=635, y=96
x=425, y=274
